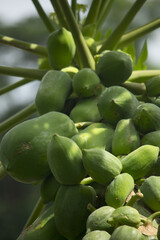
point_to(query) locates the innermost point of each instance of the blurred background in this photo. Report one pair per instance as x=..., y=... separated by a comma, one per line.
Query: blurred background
x=19, y=19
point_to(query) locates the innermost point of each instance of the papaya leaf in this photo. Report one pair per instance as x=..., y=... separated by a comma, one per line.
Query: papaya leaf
x=140, y=64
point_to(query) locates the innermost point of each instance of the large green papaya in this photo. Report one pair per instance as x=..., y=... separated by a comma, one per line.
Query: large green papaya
x=71, y=211
x=152, y=138
x=97, y=220
x=65, y=160
x=153, y=86
x=116, y=103
x=61, y=48
x=118, y=190
x=126, y=138
x=114, y=68
x=101, y=165
x=53, y=91
x=141, y=161
x=97, y=235
x=97, y=135
x=126, y=233
x=43, y=227
x=23, y=151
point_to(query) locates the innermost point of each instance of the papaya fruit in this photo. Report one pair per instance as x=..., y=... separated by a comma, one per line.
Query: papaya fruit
x=70, y=208
x=97, y=235
x=140, y=162
x=49, y=188
x=101, y=165
x=65, y=160
x=23, y=151
x=126, y=233
x=61, y=48
x=114, y=68
x=125, y=215
x=85, y=110
x=91, y=43
x=53, y=91
x=97, y=135
x=152, y=138
x=97, y=220
x=153, y=86
x=86, y=83
x=43, y=227
x=43, y=63
x=125, y=138
x=147, y=118
x=118, y=190
x=116, y=103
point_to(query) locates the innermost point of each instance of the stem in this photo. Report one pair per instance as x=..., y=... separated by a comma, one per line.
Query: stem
x=3, y=171
x=17, y=118
x=86, y=181
x=39, y=207
x=141, y=76
x=22, y=72
x=153, y=216
x=58, y=10
x=90, y=207
x=43, y=16
x=137, y=33
x=93, y=12
x=73, y=6
x=135, y=88
x=29, y=47
x=104, y=11
x=115, y=36
x=134, y=199
x=83, y=51
x=80, y=125
x=14, y=85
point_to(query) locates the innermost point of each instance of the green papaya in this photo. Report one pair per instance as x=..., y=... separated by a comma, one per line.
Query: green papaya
x=126, y=233
x=97, y=220
x=153, y=86
x=116, y=103
x=71, y=211
x=101, y=165
x=125, y=138
x=65, y=160
x=43, y=63
x=23, y=151
x=140, y=162
x=53, y=91
x=49, y=188
x=86, y=110
x=125, y=215
x=86, y=83
x=147, y=118
x=152, y=138
x=91, y=43
x=118, y=190
x=61, y=48
x=97, y=135
x=43, y=227
x=97, y=235
x=114, y=68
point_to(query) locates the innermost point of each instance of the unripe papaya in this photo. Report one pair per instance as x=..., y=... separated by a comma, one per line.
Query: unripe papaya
x=23, y=151
x=91, y=43
x=61, y=48
x=147, y=118
x=65, y=160
x=114, y=68
x=97, y=235
x=141, y=161
x=116, y=103
x=53, y=91
x=97, y=220
x=43, y=63
x=125, y=215
x=86, y=83
x=97, y=135
x=71, y=211
x=153, y=86
x=86, y=110
x=126, y=138
x=126, y=233
x=101, y=165
x=118, y=190
x=43, y=227
x=152, y=138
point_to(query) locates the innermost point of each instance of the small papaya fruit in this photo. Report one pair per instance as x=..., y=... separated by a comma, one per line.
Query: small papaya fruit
x=91, y=43
x=116, y=103
x=43, y=63
x=114, y=68
x=61, y=48
x=23, y=151
x=147, y=118
x=86, y=110
x=86, y=83
x=97, y=235
x=97, y=220
x=140, y=162
x=152, y=138
x=153, y=86
x=126, y=233
x=97, y=135
x=65, y=160
x=101, y=165
x=70, y=208
x=118, y=190
x=53, y=91
x=125, y=138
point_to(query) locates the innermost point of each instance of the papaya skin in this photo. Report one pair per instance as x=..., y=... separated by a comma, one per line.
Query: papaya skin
x=97, y=235
x=123, y=232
